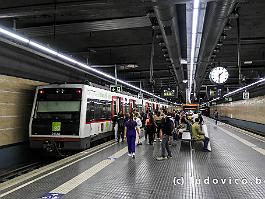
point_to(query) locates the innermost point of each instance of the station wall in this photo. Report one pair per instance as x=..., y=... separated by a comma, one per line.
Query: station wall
x=246, y=113
x=16, y=98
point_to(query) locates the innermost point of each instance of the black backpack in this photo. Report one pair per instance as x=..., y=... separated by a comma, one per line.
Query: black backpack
x=168, y=126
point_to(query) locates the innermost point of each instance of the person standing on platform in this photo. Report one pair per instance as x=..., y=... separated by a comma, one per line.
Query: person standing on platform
x=167, y=130
x=121, y=123
x=115, y=125
x=216, y=116
x=177, y=119
x=201, y=122
x=158, y=119
x=150, y=128
x=130, y=131
x=138, y=128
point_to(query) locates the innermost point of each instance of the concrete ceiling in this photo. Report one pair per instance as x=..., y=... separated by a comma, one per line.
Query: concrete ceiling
x=109, y=32
x=252, y=47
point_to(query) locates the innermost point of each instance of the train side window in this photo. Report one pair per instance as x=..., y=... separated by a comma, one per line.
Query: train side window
x=97, y=111
x=108, y=110
x=101, y=108
x=127, y=108
x=90, y=113
x=104, y=109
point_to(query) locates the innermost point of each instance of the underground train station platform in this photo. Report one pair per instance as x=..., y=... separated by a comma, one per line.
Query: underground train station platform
x=234, y=169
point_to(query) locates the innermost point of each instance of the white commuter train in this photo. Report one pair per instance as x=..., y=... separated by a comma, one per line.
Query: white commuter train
x=72, y=116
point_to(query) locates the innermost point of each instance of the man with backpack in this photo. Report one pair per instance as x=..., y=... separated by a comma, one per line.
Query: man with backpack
x=167, y=131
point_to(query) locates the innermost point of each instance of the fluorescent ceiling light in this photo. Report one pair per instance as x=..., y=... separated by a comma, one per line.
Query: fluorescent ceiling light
x=183, y=61
x=43, y=48
x=71, y=60
x=247, y=62
x=13, y=35
x=245, y=87
x=238, y=90
x=66, y=58
x=196, y=4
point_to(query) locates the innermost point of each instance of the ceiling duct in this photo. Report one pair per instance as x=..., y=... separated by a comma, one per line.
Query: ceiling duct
x=216, y=17
x=167, y=19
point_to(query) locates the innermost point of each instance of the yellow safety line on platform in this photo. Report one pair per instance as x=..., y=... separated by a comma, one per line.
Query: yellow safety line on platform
x=27, y=176
x=255, y=136
x=54, y=171
x=82, y=177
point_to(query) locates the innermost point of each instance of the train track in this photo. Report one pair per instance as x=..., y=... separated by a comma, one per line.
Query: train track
x=7, y=175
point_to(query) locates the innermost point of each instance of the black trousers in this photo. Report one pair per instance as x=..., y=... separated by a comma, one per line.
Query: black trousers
x=120, y=134
x=151, y=135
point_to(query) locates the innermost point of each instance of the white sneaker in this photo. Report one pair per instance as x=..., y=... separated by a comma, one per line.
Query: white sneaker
x=133, y=155
x=129, y=154
x=161, y=158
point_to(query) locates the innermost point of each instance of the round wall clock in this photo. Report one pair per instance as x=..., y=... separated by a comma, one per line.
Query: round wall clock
x=219, y=75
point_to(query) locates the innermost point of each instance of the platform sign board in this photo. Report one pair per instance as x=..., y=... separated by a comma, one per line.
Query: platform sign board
x=116, y=88
x=168, y=92
x=245, y=95
x=140, y=95
x=228, y=99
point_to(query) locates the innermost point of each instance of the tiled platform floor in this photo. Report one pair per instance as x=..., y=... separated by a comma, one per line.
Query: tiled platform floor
x=231, y=161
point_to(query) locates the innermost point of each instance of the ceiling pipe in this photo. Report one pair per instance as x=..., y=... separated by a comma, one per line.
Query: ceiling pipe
x=167, y=19
x=217, y=15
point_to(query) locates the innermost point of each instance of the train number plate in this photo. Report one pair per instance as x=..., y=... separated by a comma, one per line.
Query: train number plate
x=56, y=127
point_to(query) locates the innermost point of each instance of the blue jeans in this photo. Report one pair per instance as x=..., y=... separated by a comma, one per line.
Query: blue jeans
x=205, y=141
x=165, y=146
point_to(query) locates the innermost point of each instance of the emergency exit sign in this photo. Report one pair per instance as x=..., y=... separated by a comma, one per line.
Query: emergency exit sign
x=116, y=88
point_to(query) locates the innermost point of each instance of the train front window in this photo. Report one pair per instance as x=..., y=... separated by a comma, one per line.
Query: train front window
x=57, y=109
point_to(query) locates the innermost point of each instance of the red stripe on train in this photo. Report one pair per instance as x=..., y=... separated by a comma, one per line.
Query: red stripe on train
x=55, y=139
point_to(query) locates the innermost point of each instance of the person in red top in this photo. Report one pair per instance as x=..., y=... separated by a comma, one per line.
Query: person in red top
x=150, y=128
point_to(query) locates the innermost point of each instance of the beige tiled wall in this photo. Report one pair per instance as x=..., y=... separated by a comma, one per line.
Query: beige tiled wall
x=16, y=95
x=250, y=110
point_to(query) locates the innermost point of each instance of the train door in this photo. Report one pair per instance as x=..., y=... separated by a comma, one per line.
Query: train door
x=146, y=106
x=117, y=105
x=154, y=106
x=132, y=105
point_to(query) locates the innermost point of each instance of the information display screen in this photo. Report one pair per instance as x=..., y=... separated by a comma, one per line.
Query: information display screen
x=168, y=93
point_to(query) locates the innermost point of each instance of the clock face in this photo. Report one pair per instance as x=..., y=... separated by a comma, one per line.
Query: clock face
x=219, y=75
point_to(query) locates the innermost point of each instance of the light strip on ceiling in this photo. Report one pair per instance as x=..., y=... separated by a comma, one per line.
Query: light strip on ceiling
x=238, y=90
x=50, y=51
x=195, y=14
x=245, y=87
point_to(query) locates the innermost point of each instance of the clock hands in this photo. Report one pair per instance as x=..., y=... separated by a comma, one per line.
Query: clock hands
x=220, y=76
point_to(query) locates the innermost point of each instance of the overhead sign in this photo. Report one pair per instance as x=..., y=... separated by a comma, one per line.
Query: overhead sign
x=245, y=95
x=140, y=95
x=169, y=92
x=116, y=88
x=212, y=93
x=228, y=99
